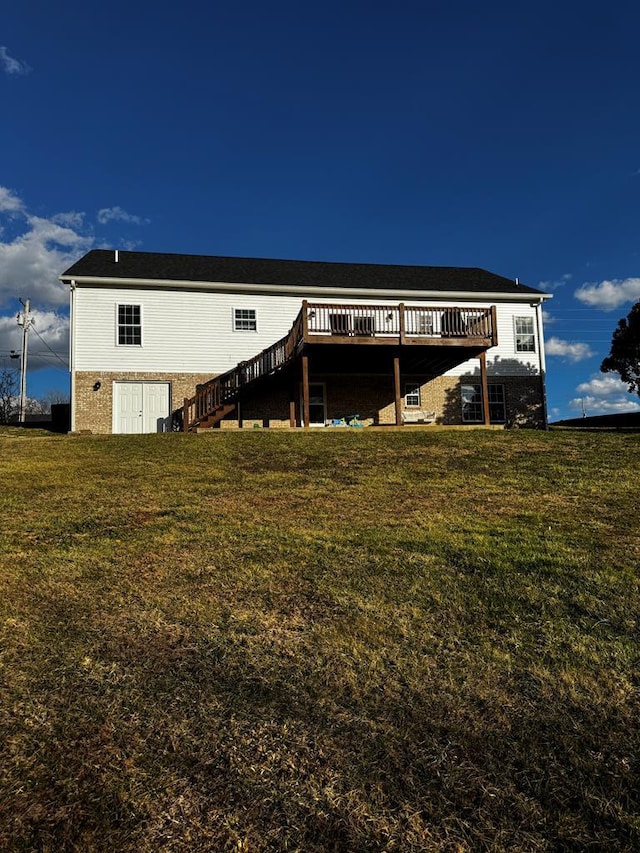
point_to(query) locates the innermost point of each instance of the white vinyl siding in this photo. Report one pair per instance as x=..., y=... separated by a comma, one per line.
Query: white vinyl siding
x=192, y=332
x=503, y=359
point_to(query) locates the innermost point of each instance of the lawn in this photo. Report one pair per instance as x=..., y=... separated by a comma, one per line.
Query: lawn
x=357, y=641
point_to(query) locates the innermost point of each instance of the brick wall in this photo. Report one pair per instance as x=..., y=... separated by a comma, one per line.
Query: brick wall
x=94, y=409
x=370, y=397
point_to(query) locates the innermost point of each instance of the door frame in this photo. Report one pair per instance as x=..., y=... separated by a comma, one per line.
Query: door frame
x=143, y=383
x=312, y=423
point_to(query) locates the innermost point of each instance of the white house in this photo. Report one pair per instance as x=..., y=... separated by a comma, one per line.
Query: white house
x=159, y=340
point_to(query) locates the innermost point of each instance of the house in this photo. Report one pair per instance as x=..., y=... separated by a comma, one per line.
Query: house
x=162, y=340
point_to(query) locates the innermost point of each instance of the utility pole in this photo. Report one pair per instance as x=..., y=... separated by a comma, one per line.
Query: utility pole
x=24, y=320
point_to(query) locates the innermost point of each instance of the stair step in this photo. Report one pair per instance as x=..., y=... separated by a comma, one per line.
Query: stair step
x=212, y=418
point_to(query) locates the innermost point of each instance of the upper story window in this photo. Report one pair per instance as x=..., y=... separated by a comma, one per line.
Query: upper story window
x=245, y=320
x=412, y=394
x=129, y=325
x=525, y=334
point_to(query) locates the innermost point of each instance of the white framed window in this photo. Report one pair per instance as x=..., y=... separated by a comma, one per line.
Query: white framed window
x=525, y=334
x=497, y=408
x=129, y=325
x=411, y=394
x=245, y=320
x=472, y=404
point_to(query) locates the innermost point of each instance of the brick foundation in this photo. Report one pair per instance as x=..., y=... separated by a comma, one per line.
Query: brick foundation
x=369, y=396
x=94, y=409
x=372, y=398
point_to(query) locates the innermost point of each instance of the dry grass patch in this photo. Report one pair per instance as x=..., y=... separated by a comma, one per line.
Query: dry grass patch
x=354, y=641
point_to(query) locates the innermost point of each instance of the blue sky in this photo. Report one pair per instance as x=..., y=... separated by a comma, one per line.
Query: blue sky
x=498, y=135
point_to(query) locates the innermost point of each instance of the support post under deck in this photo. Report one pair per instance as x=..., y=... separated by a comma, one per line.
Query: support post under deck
x=396, y=390
x=485, y=388
x=306, y=414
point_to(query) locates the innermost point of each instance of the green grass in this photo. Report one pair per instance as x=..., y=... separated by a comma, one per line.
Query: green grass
x=365, y=641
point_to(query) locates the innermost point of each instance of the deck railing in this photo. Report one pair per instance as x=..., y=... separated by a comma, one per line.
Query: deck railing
x=223, y=389
x=399, y=321
x=384, y=323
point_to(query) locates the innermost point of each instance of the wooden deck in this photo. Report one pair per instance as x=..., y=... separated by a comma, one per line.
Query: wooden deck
x=341, y=326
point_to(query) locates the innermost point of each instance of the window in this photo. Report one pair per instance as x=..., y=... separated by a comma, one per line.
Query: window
x=245, y=320
x=412, y=394
x=129, y=325
x=472, y=404
x=497, y=413
x=525, y=335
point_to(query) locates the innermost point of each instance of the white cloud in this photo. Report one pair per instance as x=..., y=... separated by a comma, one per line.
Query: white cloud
x=609, y=294
x=596, y=406
x=31, y=263
x=31, y=259
x=604, y=394
x=556, y=283
x=547, y=318
x=603, y=385
x=48, y=339
x=12, y=66
x=117, y=214
x=9, y=202
x=571, y=350
x=72, y=219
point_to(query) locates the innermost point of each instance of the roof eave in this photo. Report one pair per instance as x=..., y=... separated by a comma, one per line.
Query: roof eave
x=308, y=290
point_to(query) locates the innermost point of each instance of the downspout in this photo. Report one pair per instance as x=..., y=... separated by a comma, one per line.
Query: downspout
x=72, y=349
x=542, y=363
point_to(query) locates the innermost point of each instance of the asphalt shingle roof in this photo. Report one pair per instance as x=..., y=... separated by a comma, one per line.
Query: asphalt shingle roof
x=100, y=263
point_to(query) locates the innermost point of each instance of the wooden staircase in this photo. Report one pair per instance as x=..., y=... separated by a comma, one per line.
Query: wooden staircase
x=218, y=397
x=342, y=324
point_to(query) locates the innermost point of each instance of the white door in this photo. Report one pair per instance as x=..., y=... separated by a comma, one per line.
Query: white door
x=140, y=407
x=155, y=406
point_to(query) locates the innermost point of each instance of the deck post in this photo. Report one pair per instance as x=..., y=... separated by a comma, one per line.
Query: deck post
x=494, y=326
x=185, y=415
x=485, y=388
x=396, y=390
x=401, y=318
x=306, y=414
x=305, y=320
x=292, y=412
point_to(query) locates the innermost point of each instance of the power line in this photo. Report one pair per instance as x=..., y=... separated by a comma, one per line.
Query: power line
x=48, y=347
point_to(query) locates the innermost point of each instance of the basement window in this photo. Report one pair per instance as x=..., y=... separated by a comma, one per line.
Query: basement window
x=472, y=404
x=245, y=320
x=129, y=325
x=411, y=394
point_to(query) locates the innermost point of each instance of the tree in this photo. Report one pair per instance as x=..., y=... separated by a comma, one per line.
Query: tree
x=624, y=357
x=8, y=394
x=51, y=397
